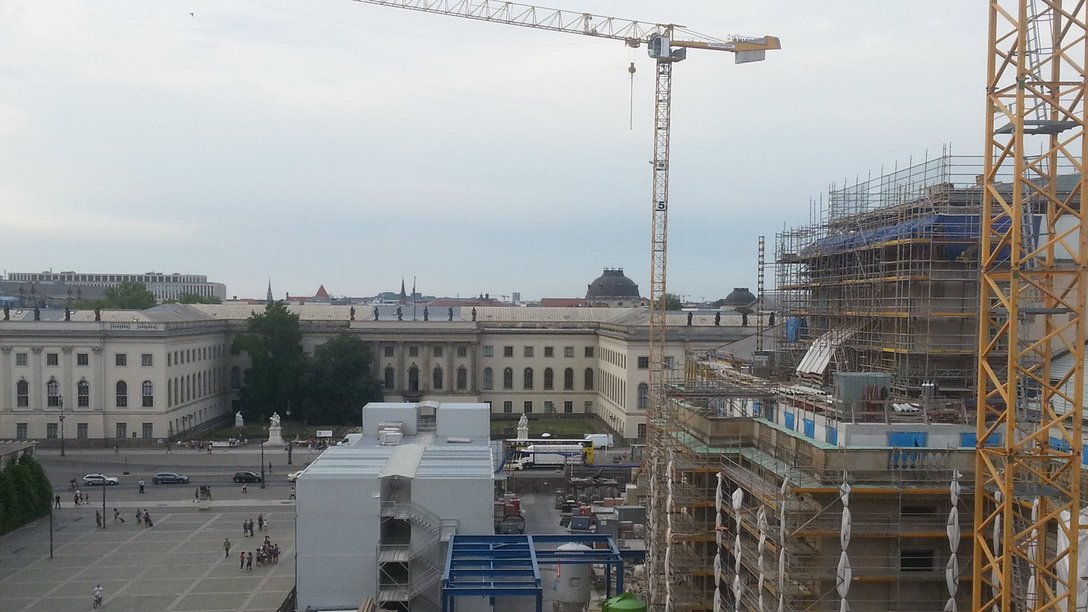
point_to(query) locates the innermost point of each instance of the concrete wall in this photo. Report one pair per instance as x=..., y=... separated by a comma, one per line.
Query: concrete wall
x=464, y=420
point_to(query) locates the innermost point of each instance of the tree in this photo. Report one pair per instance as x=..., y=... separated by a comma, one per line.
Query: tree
x=274, y=345
x=192, y=298
x=672, y=302
x=339, y=382
x=128, y=295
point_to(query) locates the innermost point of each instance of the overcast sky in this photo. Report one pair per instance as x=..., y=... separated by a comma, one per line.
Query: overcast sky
x=328, y=141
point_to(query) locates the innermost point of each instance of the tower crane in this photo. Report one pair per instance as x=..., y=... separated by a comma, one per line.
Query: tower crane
x=666, y=45
x=1034, y=271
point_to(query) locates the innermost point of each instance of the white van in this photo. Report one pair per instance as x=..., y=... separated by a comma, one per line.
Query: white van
x=601, y=440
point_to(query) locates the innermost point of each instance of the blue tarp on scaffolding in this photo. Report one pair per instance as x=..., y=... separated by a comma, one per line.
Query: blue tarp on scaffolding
x=952, y=235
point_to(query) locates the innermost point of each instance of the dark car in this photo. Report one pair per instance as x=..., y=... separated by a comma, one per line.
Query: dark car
x=169, y=478
x=246, y=477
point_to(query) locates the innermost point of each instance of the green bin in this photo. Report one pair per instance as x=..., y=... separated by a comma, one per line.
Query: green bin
x=626, y=602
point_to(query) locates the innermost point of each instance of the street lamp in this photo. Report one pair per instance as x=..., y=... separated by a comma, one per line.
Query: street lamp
x=60, y=402
x=262, y=465
x=290, y=444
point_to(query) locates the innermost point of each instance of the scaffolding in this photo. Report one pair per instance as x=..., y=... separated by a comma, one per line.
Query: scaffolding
x=885, y=279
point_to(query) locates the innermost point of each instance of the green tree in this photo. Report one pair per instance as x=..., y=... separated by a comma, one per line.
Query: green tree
x=672, y=302
x=339, y=382
x=192, y=298
x=274, y=345
x=128, y=295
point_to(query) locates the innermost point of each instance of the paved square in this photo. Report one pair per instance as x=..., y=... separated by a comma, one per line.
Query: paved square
x=178, y=564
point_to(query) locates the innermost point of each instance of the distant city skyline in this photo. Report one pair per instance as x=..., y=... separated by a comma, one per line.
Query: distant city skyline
x=349, y=145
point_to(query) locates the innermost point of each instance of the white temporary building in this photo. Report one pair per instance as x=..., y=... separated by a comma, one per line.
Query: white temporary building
x=375, y=513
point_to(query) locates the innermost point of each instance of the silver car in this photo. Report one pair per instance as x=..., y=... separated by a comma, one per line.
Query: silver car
x=97, y=480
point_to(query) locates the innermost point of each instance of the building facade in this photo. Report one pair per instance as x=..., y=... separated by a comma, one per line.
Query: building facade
x=169, y=370
x=162, y=286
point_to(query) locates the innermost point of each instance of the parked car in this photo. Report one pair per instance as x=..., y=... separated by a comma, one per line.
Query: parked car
x=97, y=480
x=169, y=478
x=247, y=477
x=293, y=476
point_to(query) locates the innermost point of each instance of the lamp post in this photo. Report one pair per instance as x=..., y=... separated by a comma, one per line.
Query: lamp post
x=290, y=445
x=60, y=402
x=104, y=484
x=262, y=459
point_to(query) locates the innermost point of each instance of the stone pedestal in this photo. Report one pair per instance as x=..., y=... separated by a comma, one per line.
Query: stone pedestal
x=274, y=437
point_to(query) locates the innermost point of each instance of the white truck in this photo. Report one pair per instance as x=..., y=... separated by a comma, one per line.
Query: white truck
x=547, y=455
x=601, y=440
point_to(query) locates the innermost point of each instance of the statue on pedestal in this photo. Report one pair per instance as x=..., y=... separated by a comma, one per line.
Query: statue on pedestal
x=238, y=420
x=274, y=436
x=451, y=313
x=274, y=420
x=375, y=313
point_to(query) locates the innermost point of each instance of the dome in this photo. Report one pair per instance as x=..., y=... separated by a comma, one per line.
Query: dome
x=612, y=284
x=740, y=296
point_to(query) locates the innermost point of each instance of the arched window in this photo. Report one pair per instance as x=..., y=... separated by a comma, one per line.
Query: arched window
x=508, y=378
x=568, y=379
x=489, y=379
x=22, y=394
x=589, y=379
x=169, y=393
x=235, y=377
x=83, y=394
x=462, y=378
x=122, y=394
x=147, y=391
x=389, y=377
x=643, y=396
x=436, y=378
x=413, y=379
x=528, y=382
x=52, y=393
x=549, y=379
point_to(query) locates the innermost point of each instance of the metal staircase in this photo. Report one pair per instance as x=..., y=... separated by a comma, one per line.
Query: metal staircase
x=407, y=571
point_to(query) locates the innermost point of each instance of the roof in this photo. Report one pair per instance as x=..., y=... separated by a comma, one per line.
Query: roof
x=321, y=293
x=612, y=284
x=564, y=302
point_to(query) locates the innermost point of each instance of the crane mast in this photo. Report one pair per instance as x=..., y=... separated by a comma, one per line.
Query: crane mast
x=1034, y=273
x=666, y=44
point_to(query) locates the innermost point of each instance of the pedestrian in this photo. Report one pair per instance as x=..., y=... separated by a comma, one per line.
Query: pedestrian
x=244, y=489
x=115, y=449
x=117, y=518
x=260, y=522
x=97, y=518
x=251, y=528
x=147, y=519
x=75, y=498
x=56, y=501
x=249, y=562
x=141, y=486
x=226, y=547
x=196, y=495
x=139, y=517
x=79, y=497
x=269, y=467
x=292, y=496
x=242, y=561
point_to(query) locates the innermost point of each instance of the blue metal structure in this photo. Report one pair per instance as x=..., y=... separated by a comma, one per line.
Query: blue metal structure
x=509, y=565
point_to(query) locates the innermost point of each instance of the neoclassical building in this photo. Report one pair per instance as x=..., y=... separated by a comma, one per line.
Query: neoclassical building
x=162, y=372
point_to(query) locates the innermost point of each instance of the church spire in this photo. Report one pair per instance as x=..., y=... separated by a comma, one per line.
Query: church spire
x=403, y=295
x=268, y=297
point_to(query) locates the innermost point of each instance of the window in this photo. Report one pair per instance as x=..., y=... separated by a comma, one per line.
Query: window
x=507, y=351
x=51, y=430
x=670, y=362
x=549, y=379
x=121, y=359
x=387, y=350
x=568, y=407
x=83, y=359
x=121, y=431
x=916, y=560
x=122, y=394
x=462, y=378
x=568, y=351
x=413, y=379
x=589, y=379
x=437, y=351
x=462, y=351
x=235, y=378
x=549, y=351
x=488, y=351
x=413, y=351
x=436, y=379
x=588, y=407
x=643, y=363
x=22, y=394
x=589, y=351
x=508, y=407
x=52, y=393
x=148, y=430
x=489, y=379
x=528, y=378
x=549, y=407
x=642, y=430
x=83, y=394
x=568, y=379
x=528, y=351
x=51, y=359
x=20, y=359
x=643, y=396
x=528, y=407
x=81, y=431
x=147, y=390
x=508, y=378
x=168, y=362
x=147, y=360
x=20, y=431
x=389, y=376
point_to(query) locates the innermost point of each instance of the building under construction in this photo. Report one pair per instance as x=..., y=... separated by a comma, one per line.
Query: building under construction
x=830, y=470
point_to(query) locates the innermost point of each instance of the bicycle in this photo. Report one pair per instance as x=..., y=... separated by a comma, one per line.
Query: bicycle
x=97, y=602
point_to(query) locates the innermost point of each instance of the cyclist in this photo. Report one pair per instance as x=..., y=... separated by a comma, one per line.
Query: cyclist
x=97, y=595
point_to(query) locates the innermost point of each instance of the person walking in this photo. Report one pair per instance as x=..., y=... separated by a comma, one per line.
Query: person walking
x=141, y=486
x=117, y=518
x=56, y=501
x=244, y=489
x=196, y=495
x=260, y=522
x=249, y=562
x=242, y=562
x=245, y=529
x=226, y=548
x=269, y=467
x=139, y=517
x=97, y=518
x=292, y=495
x=147, y=519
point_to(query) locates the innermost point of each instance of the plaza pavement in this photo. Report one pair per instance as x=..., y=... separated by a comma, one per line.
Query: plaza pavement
x=178, y=564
